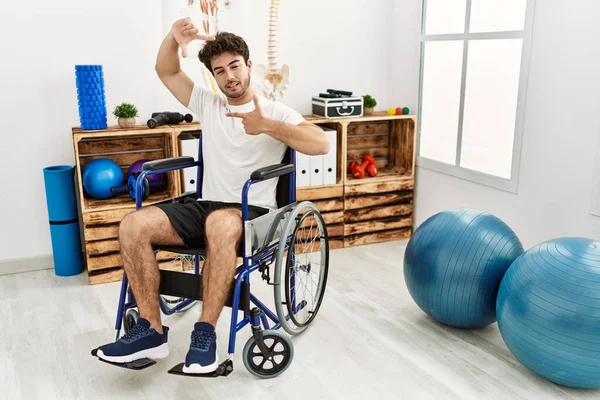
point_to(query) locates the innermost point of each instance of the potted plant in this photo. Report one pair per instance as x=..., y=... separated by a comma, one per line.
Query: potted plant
x=369, y=104
x=126, y=113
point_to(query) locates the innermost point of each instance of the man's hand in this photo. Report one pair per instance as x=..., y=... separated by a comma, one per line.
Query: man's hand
x=184, y=32
x=255, y=121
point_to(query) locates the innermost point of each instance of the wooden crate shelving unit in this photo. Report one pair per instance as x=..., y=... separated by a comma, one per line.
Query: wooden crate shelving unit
x=356, y=212
x=372, y=209
x=100, y=218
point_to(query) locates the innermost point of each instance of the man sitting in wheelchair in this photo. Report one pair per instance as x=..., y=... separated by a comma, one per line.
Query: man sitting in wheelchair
x=242, y=132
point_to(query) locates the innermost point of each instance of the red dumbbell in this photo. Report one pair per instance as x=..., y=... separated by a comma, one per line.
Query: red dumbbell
x=369, y=158
x=372, y=167
x=359, y=171
x=372, y=170
x=351, y=167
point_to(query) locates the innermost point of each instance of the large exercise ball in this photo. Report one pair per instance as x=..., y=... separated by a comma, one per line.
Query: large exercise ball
x=99, y=175
x=454, y=264
x=549, y=311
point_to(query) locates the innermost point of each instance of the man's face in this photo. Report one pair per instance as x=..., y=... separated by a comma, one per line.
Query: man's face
x=232, y=74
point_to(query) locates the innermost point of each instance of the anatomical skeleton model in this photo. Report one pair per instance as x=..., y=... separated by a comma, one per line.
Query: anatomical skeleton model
x=210, y=24
x=272, y=80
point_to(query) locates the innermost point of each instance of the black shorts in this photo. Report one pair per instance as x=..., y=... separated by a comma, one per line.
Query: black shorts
x=189, y=218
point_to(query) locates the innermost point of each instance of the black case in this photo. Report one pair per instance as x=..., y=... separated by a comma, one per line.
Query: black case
x=341, y=107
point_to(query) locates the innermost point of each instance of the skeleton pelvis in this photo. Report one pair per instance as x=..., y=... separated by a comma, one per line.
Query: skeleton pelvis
x=272, y=81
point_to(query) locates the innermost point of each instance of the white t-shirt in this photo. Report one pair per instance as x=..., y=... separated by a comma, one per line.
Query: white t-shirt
x=230, y=155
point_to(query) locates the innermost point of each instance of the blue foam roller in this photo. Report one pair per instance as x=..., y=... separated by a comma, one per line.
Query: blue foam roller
x=97, y=81
x=92, y=114
x=92, y=109
x=62, y=215
x=89, y=73
x=91, y=98
x=66, y=249
x=88, y=67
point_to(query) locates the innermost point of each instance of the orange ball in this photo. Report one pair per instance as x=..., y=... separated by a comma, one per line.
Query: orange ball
x=398, y=110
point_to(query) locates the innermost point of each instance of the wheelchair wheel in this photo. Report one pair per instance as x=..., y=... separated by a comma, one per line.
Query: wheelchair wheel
x=301, y=268
x=276, y=343
x=130, y=319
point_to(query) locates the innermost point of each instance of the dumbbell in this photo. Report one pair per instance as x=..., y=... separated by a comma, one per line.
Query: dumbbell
x=150, y=186
x=368, y=166
x=371, y=169
x=351, y=167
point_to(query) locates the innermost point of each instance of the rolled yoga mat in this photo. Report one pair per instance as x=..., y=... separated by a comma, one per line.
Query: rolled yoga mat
x=64, y=224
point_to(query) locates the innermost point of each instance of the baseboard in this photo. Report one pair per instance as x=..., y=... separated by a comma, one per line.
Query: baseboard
x=20, y=265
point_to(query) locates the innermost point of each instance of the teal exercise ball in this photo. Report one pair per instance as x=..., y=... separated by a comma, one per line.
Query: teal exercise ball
x=549, y=311
x=99, y=175
x=454, y=263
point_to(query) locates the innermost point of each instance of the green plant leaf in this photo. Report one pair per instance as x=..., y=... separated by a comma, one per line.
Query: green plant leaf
x=369, y=101
x=125, y=110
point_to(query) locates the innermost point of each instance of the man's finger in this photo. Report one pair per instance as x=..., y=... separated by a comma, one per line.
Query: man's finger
x=190, y=32
x=257, y=103
x=183, y=51
x=236, y=115
x=205, y=37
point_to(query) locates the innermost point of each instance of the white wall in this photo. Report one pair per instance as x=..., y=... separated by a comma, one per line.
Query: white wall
x=370, y=46
x=354, y=45
x=560, y=135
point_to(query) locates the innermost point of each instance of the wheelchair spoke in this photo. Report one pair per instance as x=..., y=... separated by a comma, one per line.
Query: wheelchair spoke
x=304, y=269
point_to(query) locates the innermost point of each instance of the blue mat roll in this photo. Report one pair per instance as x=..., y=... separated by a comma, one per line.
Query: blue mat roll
x=62, y=215
x=66, y=249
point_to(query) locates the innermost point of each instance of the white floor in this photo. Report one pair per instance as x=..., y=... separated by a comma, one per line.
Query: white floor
x=369, y=341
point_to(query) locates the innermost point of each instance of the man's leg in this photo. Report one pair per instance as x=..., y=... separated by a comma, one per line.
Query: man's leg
x=137, y=233
x=223, y=234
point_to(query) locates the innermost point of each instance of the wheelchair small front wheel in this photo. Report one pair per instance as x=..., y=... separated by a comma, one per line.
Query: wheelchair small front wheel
x=281, y=354
x=301, y=268
x=130, y=319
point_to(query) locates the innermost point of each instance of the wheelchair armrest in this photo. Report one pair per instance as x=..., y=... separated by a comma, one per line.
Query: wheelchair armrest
x=173, y=162
x=272, y=171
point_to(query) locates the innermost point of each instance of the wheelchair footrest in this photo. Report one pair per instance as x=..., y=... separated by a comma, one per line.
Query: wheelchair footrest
x=224, y=369
x=136, y=365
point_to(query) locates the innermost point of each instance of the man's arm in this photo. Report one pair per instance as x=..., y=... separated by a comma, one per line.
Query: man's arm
x=167, y=62
x=170, y=73
x=307, y=138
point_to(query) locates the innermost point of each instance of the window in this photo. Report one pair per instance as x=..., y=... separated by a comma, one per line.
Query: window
x=474, y=64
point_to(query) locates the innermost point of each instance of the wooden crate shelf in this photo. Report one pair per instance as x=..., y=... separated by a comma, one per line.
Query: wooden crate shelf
x=355, y=211
x=375, y=209
x=100, y=218
x=124, y=147
x=330, y=202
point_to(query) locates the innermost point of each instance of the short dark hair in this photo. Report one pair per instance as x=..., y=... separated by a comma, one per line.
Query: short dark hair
x=225, y=42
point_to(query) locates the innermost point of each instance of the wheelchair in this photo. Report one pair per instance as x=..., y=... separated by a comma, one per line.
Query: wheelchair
x=288, y=247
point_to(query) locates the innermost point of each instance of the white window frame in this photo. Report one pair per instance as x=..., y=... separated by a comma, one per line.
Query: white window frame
x=509, y=185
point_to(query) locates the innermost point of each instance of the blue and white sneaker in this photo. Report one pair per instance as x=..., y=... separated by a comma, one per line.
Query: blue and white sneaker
x=202, y=355
x=141, y=342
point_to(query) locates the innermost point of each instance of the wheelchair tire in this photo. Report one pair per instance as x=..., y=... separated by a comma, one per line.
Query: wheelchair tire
x=255, y=361
x=130, y=319
x=283, y=267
